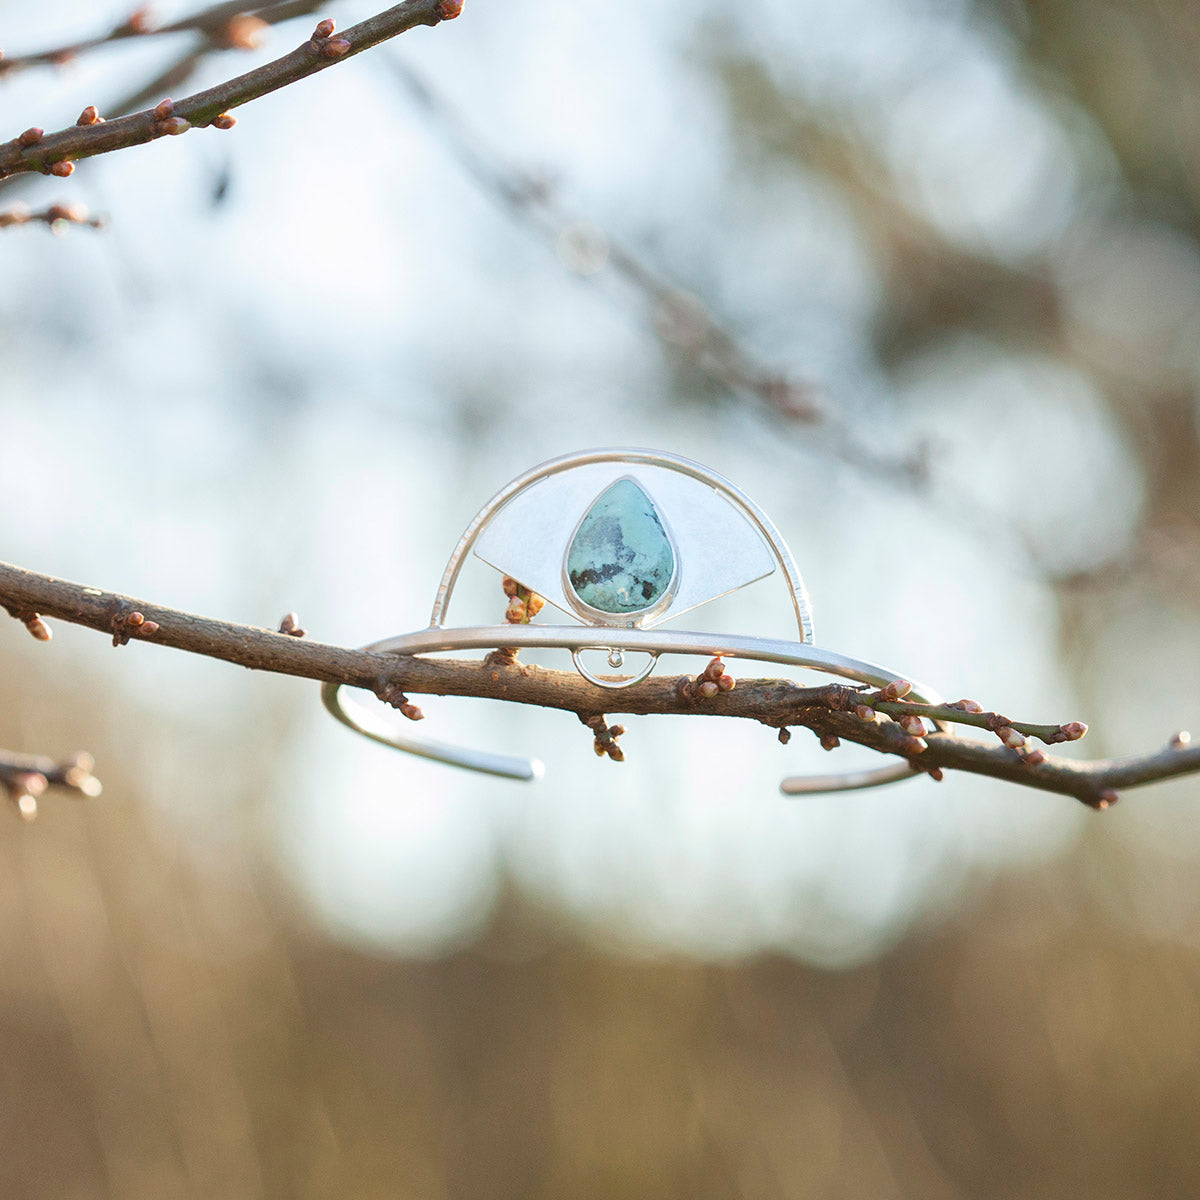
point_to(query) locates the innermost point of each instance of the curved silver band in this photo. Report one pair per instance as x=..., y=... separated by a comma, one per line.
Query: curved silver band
x=629, y=456
x=575, y=638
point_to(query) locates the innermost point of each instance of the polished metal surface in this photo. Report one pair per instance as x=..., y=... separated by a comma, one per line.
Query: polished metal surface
x=537, y=525
x=575, y=638
x=722, y=541
x=718, y=549
x=370, y=723
x=615, y=660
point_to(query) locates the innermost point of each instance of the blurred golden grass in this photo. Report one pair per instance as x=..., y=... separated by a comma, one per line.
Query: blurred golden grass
x=171, y=1025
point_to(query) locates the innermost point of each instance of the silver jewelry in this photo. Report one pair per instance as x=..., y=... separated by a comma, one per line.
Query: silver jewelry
x=622, y=540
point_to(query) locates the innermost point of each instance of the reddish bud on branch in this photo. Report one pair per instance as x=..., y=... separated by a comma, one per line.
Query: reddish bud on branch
x=139, y=21
x=390, y=693
x=77, y=774
x=1011, y=737
x=502, y=656
x=38, y=628
x=54, y=215
x=714, y=673
x=90, y=116
x=290, y=625
x=606, y=735
x=1072, y=731
x=62, y=169
x=224, y=121
x=32, y=621
x=33, y=782
x=30, y=137
x=243, y=32
x=126, y=625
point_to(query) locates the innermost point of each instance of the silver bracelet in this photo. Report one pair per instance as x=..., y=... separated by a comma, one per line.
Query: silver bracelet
x=622, y=540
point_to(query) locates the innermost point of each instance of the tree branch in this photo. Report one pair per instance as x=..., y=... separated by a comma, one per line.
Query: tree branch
x=231, y=25
x=54, y=153
x=56, y=216
x=833, y=711
x=25, y=777
x=678, y=316
x=136, y=25
x=215, y=37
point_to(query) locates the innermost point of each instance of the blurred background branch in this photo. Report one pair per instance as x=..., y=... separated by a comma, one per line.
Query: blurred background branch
x=56, y=216
x=26, y=777
x=225, y=26
x=678, y=316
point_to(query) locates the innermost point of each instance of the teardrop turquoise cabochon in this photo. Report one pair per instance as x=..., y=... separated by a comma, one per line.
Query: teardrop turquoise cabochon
x=620, y=559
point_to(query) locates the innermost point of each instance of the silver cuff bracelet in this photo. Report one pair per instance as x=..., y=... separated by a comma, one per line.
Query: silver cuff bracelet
x=622, y=540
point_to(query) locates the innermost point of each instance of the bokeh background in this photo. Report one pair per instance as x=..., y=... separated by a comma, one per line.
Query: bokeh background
x=924, y=277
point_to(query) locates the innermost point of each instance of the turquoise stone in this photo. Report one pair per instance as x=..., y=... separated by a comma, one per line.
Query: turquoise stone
x=620, y=559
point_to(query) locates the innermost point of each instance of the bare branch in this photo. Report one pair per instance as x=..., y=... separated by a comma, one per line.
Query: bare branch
x=832, y=711
x=135, y=25
x=55, y=153
x=25, y=777
x=57, y=217
x=680, y=318
x=229, y=26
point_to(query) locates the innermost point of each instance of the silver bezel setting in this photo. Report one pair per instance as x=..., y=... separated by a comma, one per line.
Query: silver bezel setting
x=720, y=539
x=636, y=616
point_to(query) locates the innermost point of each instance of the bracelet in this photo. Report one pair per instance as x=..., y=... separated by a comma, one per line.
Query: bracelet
x=622, y=540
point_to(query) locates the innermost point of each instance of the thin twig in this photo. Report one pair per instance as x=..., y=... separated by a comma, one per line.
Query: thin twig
x=679, y=317
x=135, y=25
x=25, y=777
x=55, y=153
x=228, y=25
x=830, y=711
x=180, y=70
x=56, y=216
